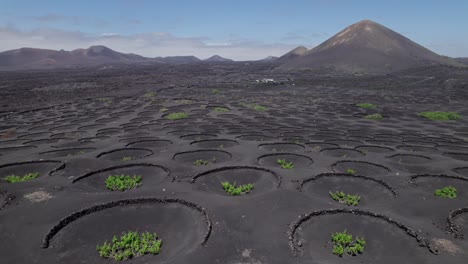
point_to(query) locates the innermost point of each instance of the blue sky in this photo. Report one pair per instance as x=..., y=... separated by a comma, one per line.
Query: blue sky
x=238, y=29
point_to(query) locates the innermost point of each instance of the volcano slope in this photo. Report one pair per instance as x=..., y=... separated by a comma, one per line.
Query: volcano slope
x=294, y=143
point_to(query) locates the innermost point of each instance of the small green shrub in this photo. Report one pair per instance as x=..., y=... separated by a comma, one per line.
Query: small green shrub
x=183, y=101
x=221, y=109
x=366, y=105
x=127, y=158
x=446, y=192
x=374, y=117
x=177, y=116
x=215, y=91
x=16, y=178
x=284, y=164
x=343, y=243
x=201, y=162
x=440, y=115
x=122, y=182
x=343, y=198
x=255, y=107
x=149, y=95
x=130, y=245
x=259, y=108
x=105, y=100
x=239, y=190
x=163, y=110
x=351, y=171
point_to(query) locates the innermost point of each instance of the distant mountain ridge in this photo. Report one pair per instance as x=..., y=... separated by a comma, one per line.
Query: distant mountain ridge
x=462, y=60
x=217, y=58
x=32, y=58
x=364, y=47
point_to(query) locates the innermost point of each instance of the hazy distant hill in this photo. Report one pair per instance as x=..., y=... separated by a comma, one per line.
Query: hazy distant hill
x=178, y=59
x=293, y=54
x=462, y=60
x=364, y=47
x=31, y=58
x=217, y=58
x=269, y=59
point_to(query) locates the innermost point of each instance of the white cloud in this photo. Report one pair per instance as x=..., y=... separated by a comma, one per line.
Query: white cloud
x=147, y=44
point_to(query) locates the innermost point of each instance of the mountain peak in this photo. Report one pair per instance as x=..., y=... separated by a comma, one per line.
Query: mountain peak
x=217, y=58
x=369, y=47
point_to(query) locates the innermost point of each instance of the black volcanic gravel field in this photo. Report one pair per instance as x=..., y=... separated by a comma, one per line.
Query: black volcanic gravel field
x=74, y=139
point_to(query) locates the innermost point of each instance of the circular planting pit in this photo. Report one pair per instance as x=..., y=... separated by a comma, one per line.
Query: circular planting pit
x=412, y=148
x=263, y=180
x=215, y=143
x=125, y=154
x=199, y=136
x=91, y=127
x=430, y=183
x=182, y=226
x=342, y=153
x=457, y=156
x=374, y=149
x=346, y=143
x=154, y=143
x=40, y=167
x=281, y=147
x=320, y=145
x=179, y=133
x=457, y=222
x=253, y=137
x=360, y=168
x=71, y=152
x=310, y=237
x=369, y=190
x=203, y=156
x=298, y=161
x=384, y=142
x=12, y=142
x=451, y=148
x=135, y=139
x=151, y=175
x=48, y=141
x=462, y=170
x=74, y=144
x=409, y=159
x=7, y=150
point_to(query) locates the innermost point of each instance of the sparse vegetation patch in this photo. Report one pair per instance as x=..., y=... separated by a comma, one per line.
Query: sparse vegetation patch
x=374, y=117
x=344, y=243
x=234, y=190
x=201, y=162
x=149, y=95
x=221, y=109
x=444, y=116
x=130, y=245
x=16, y=178
x=446, y=192
x=284, y=164
x=255, y=107
x=350, y=171
x=343, y=198
x=122, y=182
x=127, y=158
x=215, y=91
x=105, y=100
x=177, y=116
x=366, y=105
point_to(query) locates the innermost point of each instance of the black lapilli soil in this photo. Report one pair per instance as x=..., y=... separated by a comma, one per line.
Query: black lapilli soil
x=74, y=140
